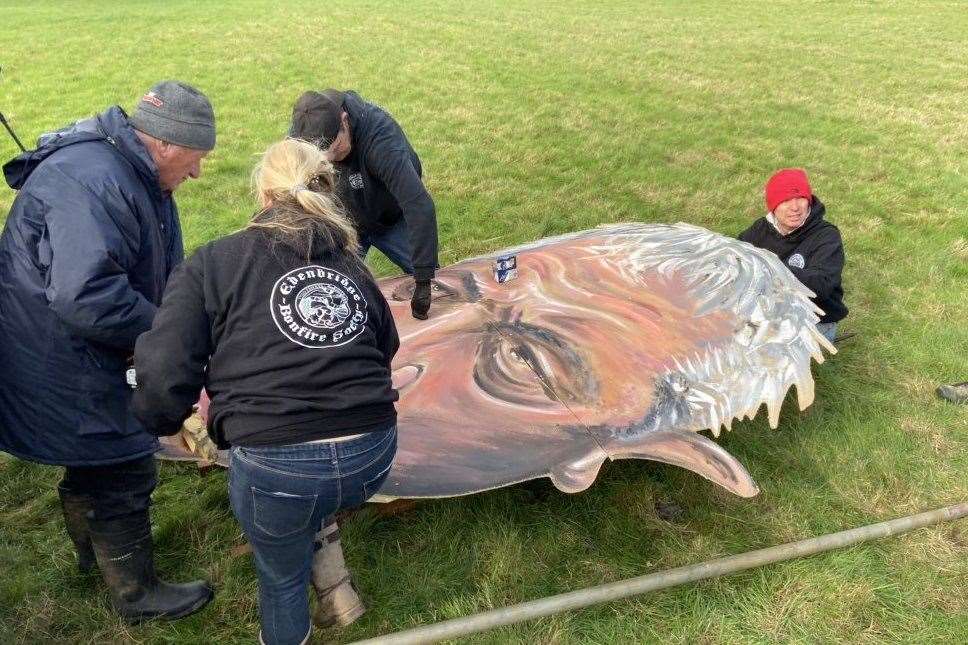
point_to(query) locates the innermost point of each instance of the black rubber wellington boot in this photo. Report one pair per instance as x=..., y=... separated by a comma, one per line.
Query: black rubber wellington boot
x=76, y=508
x=125, y=556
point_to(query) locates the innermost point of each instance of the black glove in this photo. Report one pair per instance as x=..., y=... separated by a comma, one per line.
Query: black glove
x=167, y=429
x=420, y=303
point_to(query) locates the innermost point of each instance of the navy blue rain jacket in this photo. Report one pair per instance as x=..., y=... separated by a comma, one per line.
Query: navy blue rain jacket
x=84, y=257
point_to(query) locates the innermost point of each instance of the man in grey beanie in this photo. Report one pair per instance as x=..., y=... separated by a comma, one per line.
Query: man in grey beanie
x=177, y=126
x=88, y=246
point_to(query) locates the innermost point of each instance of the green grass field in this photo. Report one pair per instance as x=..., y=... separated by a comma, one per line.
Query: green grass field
x=536, y=118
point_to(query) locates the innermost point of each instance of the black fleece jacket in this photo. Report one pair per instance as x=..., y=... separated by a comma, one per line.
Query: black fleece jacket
x=380, y=182
x=814, y=253
x=290, y=349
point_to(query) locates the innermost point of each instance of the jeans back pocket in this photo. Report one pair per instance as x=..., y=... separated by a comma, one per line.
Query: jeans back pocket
x=281, y=514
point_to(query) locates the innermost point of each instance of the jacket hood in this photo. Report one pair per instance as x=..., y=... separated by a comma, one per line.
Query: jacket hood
x=110, y=126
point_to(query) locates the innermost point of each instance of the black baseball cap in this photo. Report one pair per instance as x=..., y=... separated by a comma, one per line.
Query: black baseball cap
x=316, y=116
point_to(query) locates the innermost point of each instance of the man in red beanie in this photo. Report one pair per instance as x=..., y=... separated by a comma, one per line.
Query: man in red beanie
x=795, y=230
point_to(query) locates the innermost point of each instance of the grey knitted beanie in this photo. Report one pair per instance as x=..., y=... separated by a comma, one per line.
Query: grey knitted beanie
x=177, y=113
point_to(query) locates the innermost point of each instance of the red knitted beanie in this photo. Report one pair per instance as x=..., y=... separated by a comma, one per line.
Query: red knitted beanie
x=787, y=184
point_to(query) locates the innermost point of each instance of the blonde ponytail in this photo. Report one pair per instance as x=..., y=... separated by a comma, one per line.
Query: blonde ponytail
x=295, y=182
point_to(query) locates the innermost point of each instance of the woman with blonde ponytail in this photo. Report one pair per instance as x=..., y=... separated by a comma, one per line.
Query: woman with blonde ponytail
x=285, y=327
x=295, y=184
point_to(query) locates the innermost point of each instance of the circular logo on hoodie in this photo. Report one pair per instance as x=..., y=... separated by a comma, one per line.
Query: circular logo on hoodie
x=796, y=260
x=317, y=307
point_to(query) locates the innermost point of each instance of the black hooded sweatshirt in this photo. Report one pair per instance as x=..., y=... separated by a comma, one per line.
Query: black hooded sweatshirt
x=290, y=349
x=814, y=253
x=380, y=182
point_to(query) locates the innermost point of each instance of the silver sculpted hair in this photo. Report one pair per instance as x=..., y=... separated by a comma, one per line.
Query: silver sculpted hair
x=771, y=349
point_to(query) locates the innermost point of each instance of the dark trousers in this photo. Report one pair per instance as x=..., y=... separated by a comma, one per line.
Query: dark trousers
x=393, y=242
x=117, y=490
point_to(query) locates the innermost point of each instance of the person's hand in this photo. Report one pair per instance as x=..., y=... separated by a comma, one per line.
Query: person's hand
x=420, y=303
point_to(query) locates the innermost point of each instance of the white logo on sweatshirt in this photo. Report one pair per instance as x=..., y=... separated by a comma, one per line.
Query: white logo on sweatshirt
x=317, y=307
x=796, y=260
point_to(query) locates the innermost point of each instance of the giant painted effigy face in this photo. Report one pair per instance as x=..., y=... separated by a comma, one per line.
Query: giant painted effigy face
x=619, y=342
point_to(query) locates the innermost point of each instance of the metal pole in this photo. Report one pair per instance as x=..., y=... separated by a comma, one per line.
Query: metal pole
x=13, y=134
x=642, y=584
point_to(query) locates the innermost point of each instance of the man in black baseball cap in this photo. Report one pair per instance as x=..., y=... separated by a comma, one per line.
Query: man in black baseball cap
x=380, y=181
x=73, y=302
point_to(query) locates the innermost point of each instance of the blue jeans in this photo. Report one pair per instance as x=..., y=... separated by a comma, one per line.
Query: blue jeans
x=393, y=242
x=829, y=330
x=281, y=495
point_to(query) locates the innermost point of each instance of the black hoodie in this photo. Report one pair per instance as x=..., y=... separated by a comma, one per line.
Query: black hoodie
x=297, y=349
x=814, y=253
x=380, y=182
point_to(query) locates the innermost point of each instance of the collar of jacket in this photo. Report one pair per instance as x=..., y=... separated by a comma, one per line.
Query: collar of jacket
x=357, y=110
x=817, y=210
x=113, y=124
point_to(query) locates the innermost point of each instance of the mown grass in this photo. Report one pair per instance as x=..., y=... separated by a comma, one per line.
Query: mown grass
x=539, y=118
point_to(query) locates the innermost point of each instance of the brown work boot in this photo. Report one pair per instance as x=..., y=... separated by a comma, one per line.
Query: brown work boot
x=337, y=600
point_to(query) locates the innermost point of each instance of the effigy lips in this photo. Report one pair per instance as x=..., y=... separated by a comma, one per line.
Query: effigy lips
x=621, y=342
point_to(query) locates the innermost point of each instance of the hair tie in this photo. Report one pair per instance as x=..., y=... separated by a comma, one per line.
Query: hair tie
x=296, y=188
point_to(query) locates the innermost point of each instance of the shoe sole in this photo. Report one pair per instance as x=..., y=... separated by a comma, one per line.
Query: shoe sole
x=346, y=618
x=137, y=620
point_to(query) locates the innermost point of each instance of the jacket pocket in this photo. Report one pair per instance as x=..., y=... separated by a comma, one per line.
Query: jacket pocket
x=103, y=397
x=281, y=514
x=105, y=413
